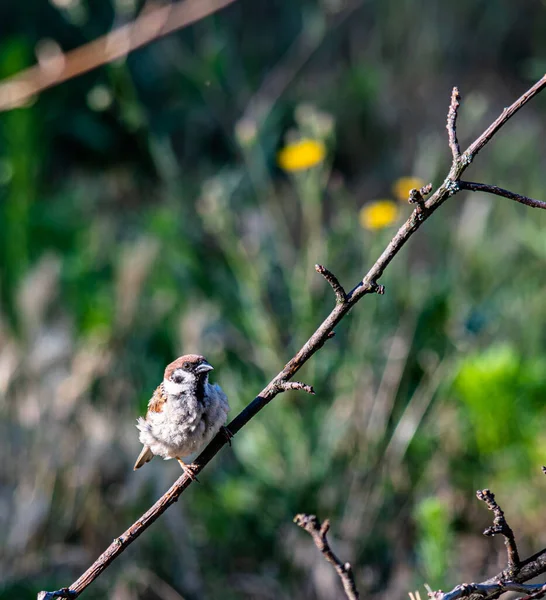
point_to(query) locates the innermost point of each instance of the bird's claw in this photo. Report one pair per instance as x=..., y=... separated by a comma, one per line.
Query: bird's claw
x=226, y=433
x=190, y=470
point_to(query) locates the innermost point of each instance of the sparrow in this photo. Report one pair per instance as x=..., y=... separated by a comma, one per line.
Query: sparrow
x=184, y=413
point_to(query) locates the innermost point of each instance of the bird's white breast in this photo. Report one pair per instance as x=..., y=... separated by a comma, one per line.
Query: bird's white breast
x=185, y=424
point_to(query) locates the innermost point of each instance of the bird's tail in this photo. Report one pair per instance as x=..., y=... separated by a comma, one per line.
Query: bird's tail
x=144, y=457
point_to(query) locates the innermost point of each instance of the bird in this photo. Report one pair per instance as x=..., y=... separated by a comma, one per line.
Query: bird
x=184, y=413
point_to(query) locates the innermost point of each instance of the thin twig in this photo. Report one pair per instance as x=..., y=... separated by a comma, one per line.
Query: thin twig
x=297, y=385
x=63, y=593
x=493, y=189
x=500, y=525
x=510, y=579
x=368, y=285
x=486, y=590
x=341, y=296
x=16, y=90
x=500, y=121
x=318, y=532
x=452, y=123
x=535, y=595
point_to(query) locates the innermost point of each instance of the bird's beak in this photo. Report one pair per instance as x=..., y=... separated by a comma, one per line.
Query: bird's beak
x=204, y=368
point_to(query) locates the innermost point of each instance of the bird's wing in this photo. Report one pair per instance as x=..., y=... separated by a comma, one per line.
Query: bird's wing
x=155, y=405
x=157, y=400
x=222, y=397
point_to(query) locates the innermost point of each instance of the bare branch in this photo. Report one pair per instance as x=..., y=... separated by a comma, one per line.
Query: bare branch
x=500, y=525
x=510, y=579
x=493, y=189
x=486, y=590
x=451, y=185
x=507, y=113
x=318, y=532
x=16, y=90
x=341, y=296
x=63, y=593
x=535, y=595
x=296, y=385
x=452, y=124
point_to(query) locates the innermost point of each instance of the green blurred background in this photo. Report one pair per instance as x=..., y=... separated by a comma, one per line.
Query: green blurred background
x=143, y=215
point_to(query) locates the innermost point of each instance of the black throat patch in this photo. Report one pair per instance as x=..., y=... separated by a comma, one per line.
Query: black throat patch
x=199, y=388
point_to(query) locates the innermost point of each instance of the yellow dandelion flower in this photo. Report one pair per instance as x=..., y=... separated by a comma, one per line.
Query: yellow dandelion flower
x=379, y=214
x=301, y=155
x=402, y=187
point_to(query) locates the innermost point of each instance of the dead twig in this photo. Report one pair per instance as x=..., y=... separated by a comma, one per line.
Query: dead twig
x=493, y=189
x=17, y=90
x=368, y=285
x=341, y=296
x=535, y=595
x=488, y=590
x=452, y=123
x=500, y=525
x=297, y=385
x=510, y=579
x=318, y=532
x=63, y=593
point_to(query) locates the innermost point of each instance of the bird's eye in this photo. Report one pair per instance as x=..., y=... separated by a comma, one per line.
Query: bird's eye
x=186, y=365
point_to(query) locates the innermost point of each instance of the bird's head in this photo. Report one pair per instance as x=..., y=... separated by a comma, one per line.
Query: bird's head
x=186, y=373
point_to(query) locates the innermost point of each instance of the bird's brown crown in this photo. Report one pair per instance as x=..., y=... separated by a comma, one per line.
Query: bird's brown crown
x=179, y=363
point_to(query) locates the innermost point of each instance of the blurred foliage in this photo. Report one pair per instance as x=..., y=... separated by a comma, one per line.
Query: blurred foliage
x=144, y=215
x=436, y=542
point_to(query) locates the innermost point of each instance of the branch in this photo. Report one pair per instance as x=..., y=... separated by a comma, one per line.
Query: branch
x=296, y=385
x=16, y=90
x=64, y=593
x=318, y=532
x=493, y=189
x=452, y=124
x=487, y=590
x=501, y=120
x=417, y=197
x=367, y=285
x=341, y=296
x=510, y=579
x=500, y=525
x=538, y=594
